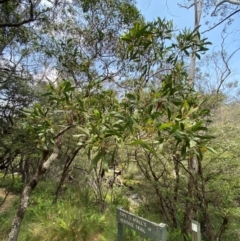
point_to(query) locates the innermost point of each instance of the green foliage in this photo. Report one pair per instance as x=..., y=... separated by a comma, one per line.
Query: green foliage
x=6, y=217
x=75, y=217
x=150, y=121
x=152, y=132
x=11, y=183
x=148, y=41
x=177, y=235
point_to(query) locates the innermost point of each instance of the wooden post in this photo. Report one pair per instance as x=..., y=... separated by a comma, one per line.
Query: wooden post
x=196, y=231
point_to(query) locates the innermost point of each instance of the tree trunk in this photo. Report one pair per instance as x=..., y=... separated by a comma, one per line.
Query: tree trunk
x=16, y=224
x=65, y=172
x=197, y=16
x=43, y=166
x=193, y=165
x=190, y=210
x=207, y=227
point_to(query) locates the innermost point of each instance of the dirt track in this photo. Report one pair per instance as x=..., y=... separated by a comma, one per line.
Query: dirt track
x=9, y=200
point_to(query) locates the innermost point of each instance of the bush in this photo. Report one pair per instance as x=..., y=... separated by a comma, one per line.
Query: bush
x=75, y=217
x=12, y=183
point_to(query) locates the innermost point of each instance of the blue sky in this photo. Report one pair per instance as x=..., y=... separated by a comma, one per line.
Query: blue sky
x=169, y=9
x=181, y=17
x=152, y=9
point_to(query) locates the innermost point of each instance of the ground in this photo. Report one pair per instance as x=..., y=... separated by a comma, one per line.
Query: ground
x=10, y=199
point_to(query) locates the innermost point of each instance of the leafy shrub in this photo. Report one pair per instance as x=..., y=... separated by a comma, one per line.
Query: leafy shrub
x=11, y=183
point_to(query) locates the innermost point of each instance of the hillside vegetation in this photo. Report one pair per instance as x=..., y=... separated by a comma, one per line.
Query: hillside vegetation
x=98, y=111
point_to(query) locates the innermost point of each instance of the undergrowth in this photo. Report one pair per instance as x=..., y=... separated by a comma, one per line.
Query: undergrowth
x=11, y=182
x=75, y=217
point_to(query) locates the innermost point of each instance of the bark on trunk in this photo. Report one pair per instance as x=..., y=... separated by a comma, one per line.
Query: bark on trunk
x=193, y=165
x=197, y=15
x=190, y=211
x=65, y=172
x=43, y=167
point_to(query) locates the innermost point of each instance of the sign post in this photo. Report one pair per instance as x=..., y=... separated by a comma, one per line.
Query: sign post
x=120, y=232
x=196, y=231
x=154, y=231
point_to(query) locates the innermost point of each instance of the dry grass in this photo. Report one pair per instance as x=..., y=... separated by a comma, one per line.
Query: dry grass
x=9, y=200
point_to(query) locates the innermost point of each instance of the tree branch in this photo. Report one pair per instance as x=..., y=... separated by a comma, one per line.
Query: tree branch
x=11, y=25
x=30, y=19
x=237, y=2
x=62, y=132
x=3, y=1
x=220, y=21
x=225, y=73
x=187, y=7
x=4, y=199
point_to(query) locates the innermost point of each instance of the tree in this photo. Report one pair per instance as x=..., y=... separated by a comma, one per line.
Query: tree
x=81, y=68
x=90, y=49
x=196, y=179
x=160, y=120
x=225, y=12
x=17, y=91
x=103, y=125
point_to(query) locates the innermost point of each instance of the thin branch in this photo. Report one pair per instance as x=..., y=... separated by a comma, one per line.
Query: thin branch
x=30, y=19
x=62, y=131
x=221, y=21
x=225, y=60
x=161, y=70
x=237, y=2
x=187, y=7
x=3, y=1
x=11, y=25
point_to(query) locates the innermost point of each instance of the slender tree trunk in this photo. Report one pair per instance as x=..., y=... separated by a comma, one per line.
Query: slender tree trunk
x=16, y=224
x=222, y=229
x=190, y=210
x=4, y=199
x=65, y=172
x=43, y=166
x=204, y=206
x=197, y=17
x=193, y=165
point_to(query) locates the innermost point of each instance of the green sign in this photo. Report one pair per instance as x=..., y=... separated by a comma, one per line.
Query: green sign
x=154, y=231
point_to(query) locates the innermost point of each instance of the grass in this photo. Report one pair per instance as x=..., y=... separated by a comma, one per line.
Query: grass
x=6, y=218
x=75, y=217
